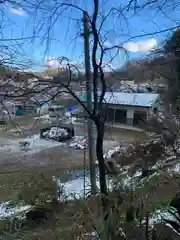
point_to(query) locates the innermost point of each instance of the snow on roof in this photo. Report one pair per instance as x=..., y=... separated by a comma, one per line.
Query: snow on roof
x=131, y=99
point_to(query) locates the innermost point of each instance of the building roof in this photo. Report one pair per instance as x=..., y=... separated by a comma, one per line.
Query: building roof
x=131, y=99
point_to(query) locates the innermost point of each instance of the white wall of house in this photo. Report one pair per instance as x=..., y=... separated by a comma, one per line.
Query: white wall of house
x=130, y=113
x=130, y=116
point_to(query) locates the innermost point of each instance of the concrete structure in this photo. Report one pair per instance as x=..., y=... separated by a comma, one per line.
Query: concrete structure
x=129, y=108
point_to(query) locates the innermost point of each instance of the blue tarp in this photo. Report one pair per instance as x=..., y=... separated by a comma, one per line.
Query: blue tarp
x=71, y=109
x=20, y=111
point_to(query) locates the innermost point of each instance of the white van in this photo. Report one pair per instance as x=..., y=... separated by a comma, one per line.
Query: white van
x=56, y=111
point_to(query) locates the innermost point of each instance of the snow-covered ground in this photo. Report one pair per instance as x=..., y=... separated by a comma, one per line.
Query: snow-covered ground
x=159, y=215
x=36, y=144
x=75, y=187
x=79, y=187
x=6, y=210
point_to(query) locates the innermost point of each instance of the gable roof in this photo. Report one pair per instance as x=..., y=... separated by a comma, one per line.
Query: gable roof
x=130, y=99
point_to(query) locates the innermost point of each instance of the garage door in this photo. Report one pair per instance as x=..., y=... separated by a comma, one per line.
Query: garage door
x=139, y=118
x=120, y=116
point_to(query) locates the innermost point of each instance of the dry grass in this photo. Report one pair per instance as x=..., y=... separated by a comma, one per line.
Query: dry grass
x=120, y=134
x=77, y=217
x=70, y=220
x=12, y=182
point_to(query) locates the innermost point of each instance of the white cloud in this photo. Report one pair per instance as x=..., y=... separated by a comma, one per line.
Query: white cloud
x=18, y=11
x=141, y=46
x=52, y=62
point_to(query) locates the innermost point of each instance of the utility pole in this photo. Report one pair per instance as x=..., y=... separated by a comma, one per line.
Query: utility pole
x=89, y=103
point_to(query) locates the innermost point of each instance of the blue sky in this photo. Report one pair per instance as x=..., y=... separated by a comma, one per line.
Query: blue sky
x=118, y=31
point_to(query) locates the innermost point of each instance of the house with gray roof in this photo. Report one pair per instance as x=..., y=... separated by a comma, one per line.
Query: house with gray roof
x=128, y=108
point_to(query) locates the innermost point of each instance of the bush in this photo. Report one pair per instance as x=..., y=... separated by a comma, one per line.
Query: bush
x=37, y=189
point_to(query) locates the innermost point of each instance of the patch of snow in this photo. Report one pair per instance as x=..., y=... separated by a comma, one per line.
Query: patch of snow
x=117, y=149
x=36, y=144
x=76, y=188
x=128, y=181
x=80, y=142
x=80, y=187
x=7, y=211
x=159, y=215
x=171, y=158
x=92, y=236
x=176, y=168
x=109, y=154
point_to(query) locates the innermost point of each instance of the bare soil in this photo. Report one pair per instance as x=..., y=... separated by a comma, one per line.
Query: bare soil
x=57, y=158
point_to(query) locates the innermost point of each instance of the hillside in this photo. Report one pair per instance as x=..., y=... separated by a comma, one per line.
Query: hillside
x=6, y=72
x=158, y=70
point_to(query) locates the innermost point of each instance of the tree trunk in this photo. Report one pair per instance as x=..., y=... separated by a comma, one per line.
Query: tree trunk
x=145, y=167
x=147, y=227
x=99, y=153
x=102, y=171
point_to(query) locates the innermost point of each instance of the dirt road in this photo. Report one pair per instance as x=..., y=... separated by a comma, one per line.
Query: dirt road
x=51, y=155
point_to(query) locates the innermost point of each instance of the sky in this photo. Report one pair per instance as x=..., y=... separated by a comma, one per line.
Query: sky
x=62, y=38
